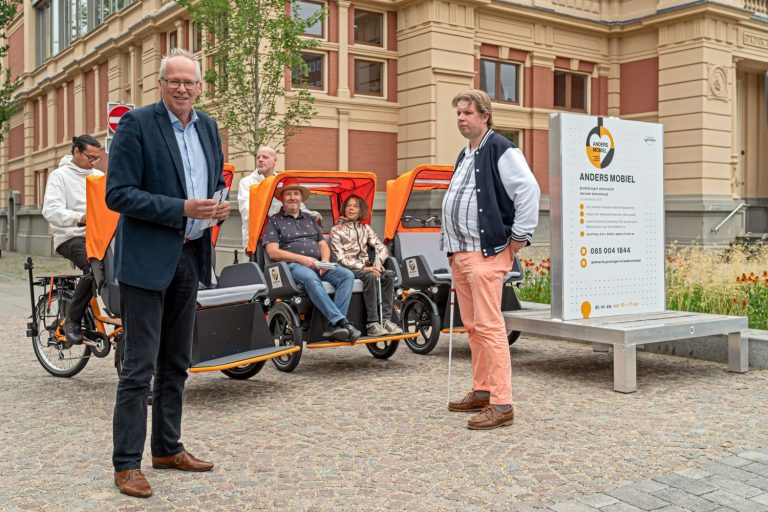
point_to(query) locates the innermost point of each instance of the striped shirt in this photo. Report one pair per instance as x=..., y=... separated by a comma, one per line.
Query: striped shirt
x=461, y=231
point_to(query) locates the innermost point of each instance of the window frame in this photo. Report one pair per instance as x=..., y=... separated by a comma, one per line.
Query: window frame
x=383, y=15
x=569, y=74
x=323, y=24
x=497, y=89
x=324, y=88
x=383, y=63
x=506, y=131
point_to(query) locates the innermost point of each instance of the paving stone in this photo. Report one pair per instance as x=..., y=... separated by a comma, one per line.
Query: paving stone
x=690, y=485
x=761, y=498
x=597, y=500
x=649, y=486
x=621, y=507
x=755, y=456
x=736, y=461
x=637, y=498
x=686, y=500
x=718, y=468
x=738, y=488
x=757, y=468
x=735, y=502
x=694, y=473
x=573, y=506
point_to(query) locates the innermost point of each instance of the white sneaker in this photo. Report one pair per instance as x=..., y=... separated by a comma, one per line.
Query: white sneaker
x=392, y=327
x=376, y=329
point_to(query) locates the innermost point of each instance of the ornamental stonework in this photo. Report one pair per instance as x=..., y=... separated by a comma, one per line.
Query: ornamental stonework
x=718, y=83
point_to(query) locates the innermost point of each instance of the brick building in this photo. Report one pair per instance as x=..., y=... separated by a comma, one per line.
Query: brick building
x=383, y=76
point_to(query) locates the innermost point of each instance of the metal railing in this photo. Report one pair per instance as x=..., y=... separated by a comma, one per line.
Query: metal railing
x=739, y=207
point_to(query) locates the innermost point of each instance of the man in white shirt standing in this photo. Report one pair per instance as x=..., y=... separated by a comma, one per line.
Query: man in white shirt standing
x=64, y=209
x=266, y=160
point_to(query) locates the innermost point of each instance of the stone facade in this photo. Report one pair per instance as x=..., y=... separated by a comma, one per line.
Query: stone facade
x=697, y=68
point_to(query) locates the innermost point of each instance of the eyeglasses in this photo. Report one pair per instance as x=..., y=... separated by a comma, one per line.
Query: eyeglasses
x=175, y=84
x=92, y=159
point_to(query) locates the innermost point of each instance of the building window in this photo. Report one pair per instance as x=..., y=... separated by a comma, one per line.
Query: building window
x=41, y=178
x=514, y=136
x=173, y=40
x=315, y=78
x=369, y=77
x=369, y=28
x=500, y=80
x=197, y=37
x=42, y=32
x=570, y=91
x=302, y=9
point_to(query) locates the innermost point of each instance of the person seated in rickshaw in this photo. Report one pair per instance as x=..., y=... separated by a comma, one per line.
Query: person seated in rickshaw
x=295, y=238
x=64, y=209
x=350, y=239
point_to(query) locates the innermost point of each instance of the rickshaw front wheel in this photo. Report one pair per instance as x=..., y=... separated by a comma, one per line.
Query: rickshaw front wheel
x=57, y=360
x=244, y=372
x=286, y=331
x=418, y=317
x=382, y=349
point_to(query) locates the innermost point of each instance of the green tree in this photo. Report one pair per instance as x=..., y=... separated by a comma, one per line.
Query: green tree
x=8, y=103
x=254, y=43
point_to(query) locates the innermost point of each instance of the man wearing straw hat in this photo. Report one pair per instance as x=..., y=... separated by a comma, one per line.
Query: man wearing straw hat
x=295, y=238
x=489, y=213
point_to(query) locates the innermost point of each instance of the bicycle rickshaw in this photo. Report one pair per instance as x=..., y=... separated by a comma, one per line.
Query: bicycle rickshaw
x=412, y=228
x=230, y=333
x=293, y=319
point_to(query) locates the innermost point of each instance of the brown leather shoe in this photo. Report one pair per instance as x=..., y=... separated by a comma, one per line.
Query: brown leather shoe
x=469, y=403
x=491, y=418
x=132, y=483
x=183, y=461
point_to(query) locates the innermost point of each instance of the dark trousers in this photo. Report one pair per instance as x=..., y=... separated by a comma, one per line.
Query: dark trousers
x=74, y=250
x=371, y=294
x=158, y=340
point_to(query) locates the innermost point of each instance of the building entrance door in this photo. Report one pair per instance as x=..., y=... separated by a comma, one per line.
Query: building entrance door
x=752, y=145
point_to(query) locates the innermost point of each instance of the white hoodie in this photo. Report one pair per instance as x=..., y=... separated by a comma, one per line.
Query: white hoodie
x=64, y=202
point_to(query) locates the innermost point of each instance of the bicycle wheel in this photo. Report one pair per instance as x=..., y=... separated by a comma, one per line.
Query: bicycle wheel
x=418, y=317
x=244, y=372
x=50, y=352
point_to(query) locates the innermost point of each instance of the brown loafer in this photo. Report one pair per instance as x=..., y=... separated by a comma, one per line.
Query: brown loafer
x=131, y=482
x=469, y=403
x=491, y=418
x=183, y=461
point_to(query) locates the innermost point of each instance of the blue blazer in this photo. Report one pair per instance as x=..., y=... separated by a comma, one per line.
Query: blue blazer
x=146, y=185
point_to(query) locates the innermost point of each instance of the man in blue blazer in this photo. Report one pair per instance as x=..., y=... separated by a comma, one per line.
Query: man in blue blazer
x=165, y=164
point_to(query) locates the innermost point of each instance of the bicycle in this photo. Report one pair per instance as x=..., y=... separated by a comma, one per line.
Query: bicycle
x=49, y=312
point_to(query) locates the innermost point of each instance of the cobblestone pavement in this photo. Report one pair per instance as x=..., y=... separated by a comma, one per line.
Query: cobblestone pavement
x=348, y=432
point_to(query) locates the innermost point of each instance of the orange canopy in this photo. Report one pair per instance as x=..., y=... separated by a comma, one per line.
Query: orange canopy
x=101, y=222
x=338, y=185
x=423, y=177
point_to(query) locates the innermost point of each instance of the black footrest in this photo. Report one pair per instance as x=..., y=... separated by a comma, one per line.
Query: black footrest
x=242, y=358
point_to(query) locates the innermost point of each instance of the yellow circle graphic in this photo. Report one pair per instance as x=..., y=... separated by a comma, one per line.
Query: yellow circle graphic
x=586, y=309
x=583, y=262
x=583, y=251
x=600, y=153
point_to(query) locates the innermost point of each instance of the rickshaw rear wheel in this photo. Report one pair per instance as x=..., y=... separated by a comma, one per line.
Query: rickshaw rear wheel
x=418, y=317
x=57, y=360
x=382, y=349
x=244, y=372
x=286, y=331
x=513, y=336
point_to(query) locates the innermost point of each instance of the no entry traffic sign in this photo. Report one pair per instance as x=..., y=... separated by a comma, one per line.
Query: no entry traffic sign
x=114, y=112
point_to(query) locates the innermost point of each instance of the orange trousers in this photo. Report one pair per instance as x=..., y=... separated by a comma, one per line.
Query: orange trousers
x=478, y=282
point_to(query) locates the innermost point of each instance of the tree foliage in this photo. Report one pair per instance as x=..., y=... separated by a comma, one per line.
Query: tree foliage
x=254, y=43
x=8, y=103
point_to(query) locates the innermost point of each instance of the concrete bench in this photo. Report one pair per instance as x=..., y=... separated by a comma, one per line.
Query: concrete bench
x=626, y=332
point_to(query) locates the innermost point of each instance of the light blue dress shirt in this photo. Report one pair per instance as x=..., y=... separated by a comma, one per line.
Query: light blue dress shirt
x=195, y=166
